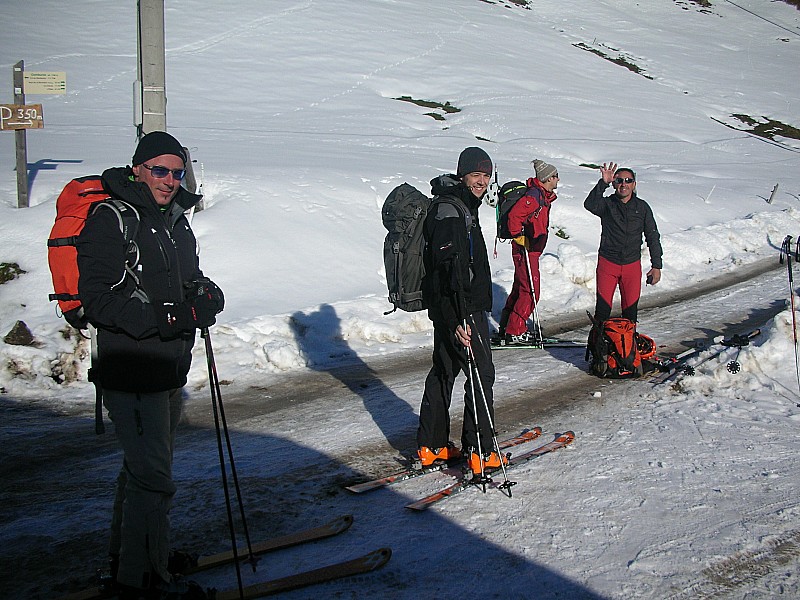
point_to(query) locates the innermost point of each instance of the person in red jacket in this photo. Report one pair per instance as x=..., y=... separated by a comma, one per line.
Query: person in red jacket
x=528, y=222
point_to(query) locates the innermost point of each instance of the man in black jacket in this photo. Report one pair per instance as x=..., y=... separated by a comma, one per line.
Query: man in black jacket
x=146, y=310
x=624, y=218
x=457, y=291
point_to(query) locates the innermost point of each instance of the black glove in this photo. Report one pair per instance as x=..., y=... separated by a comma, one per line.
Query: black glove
x=203, y=291
x=174, y=318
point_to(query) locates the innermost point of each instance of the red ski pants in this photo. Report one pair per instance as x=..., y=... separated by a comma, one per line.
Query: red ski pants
x=519, y=304
x=628, y=278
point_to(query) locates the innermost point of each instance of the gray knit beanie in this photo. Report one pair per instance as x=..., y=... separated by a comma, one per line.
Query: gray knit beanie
x=544, y=171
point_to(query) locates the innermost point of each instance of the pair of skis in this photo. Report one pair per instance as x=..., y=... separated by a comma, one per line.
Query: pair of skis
x=465, y=481
x=682, y=363
x=362, y=564
x=411, y=472
x=499, y=343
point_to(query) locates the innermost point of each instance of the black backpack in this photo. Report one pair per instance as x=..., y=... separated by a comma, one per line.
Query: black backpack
x=510, y=193
x=403, y=214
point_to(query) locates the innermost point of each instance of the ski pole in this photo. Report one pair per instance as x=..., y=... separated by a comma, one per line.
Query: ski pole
x=537, y=326
x=786, y=248
x=219, y=416
x=99, y=426
x=483, y=480
x=506, y=483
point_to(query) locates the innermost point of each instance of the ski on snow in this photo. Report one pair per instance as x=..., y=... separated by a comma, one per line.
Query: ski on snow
x=468, y=481
x=201, y=563
x=356, y=566
x=411, y=472
x=335, y=527
x=501, y=344
x=672, y=367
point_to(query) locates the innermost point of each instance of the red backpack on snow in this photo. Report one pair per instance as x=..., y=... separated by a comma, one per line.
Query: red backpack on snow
x=617, y=350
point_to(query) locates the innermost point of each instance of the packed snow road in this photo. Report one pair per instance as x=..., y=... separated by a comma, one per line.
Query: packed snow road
x=627, y=511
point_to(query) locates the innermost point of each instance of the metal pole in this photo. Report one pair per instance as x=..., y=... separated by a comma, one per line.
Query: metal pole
x=151, y=67
x=537, y=326
x=213, y=371
x=786, y=248
x=474, y=364
x=223, y=473
x=483, y=480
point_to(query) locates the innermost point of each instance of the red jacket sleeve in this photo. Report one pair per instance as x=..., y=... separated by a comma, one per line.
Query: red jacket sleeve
x=529, y=217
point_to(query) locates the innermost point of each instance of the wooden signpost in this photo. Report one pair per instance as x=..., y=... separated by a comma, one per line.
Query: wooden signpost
x=19, y=116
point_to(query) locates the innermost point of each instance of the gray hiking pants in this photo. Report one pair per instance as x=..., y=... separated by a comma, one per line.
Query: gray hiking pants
x=145, y=426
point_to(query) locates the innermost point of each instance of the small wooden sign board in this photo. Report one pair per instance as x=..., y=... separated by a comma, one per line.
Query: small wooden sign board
x=21, y=116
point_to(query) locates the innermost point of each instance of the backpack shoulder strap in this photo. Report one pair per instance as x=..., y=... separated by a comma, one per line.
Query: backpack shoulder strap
x=127, y=216
x=461, y=209
x=535, y=193
x=128, y=219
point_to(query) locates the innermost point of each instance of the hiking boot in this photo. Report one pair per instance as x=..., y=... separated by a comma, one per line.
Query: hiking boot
x=491, y=461
x=428, y=456
x=176, y=589
x=523, y=339
x=107, y=579
x=180, y=562
x=183, y=589
x=501, y=326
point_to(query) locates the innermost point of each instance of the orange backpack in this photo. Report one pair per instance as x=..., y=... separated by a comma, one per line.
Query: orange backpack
x=614, y=346
x=73, y=205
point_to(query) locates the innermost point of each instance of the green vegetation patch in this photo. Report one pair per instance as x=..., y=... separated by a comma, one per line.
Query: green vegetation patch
x=702, y=3
x=442, y=109
x=764, y=127
x=615, y=56
x=511, y=3
x=9, y=271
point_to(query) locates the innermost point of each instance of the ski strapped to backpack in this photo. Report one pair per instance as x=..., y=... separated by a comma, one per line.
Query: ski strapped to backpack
x=404, y=212
x=73, y=206
x=616, y=349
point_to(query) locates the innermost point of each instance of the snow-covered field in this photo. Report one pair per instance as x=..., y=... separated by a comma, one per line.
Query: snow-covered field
x=291, y=111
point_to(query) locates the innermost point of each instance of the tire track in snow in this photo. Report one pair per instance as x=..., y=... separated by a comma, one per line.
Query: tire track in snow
x=745, y=568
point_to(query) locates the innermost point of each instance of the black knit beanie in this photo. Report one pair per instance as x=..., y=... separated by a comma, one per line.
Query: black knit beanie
x=474, y=159
x=155, y=144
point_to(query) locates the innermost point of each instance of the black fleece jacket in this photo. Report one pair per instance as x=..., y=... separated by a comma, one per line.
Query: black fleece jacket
x=131, y=355
x=623, y=224
x=457, y=278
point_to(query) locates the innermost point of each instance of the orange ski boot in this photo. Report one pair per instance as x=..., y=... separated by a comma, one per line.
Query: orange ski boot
x=428, y=456
x=491, y=462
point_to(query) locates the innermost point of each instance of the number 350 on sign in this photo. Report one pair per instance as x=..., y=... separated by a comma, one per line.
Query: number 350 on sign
x=21, y=116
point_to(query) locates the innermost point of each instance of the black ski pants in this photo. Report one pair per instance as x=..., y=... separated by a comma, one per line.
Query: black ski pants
x=450, y=359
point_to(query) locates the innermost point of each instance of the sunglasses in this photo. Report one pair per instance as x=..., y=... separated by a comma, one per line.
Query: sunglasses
x=162, y=172
x=620, y=180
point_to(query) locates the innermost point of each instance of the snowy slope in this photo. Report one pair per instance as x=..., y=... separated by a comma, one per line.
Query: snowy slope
x=290, y=110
